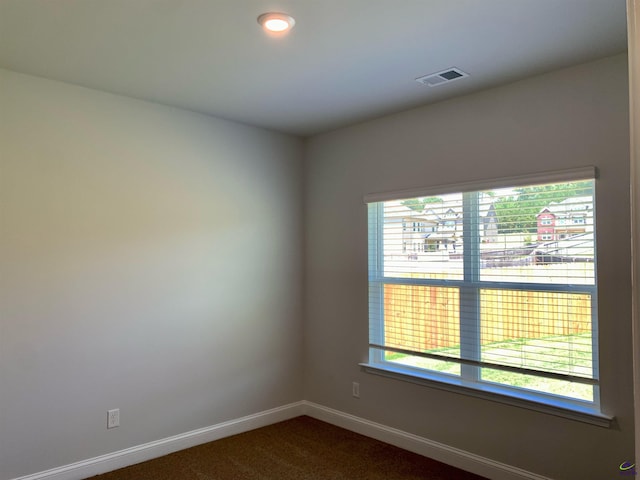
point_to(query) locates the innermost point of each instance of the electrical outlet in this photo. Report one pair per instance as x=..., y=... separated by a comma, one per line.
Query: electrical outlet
x=113, y=418
x=356, y=389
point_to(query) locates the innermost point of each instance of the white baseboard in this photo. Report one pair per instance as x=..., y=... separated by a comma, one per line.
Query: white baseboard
x=420, y=445
x=148, y=451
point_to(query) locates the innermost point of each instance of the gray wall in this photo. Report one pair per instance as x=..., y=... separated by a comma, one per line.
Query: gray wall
x=570, y=118
x=151, y=261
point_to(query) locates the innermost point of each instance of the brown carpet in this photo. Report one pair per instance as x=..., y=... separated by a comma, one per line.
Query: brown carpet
x=299, y=449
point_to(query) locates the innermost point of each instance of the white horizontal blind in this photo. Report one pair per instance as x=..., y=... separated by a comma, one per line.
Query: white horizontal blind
x=493, y=286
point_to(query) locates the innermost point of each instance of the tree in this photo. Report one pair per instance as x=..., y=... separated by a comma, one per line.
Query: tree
x=418, y=204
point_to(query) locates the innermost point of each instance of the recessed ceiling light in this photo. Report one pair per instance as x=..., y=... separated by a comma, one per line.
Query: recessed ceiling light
x=276, y=22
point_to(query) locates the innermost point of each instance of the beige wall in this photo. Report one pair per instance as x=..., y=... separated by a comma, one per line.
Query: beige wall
x=150, y=261
x=570, y=118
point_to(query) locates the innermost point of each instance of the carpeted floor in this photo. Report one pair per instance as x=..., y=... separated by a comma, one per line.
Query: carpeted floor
x=299, y=449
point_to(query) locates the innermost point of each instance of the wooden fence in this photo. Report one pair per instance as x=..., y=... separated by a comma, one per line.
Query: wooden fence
x=427, y=318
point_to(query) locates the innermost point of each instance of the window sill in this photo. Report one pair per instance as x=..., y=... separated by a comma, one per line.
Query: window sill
x=557, y=407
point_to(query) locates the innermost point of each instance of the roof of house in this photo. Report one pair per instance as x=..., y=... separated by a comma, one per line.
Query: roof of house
x=569, y=206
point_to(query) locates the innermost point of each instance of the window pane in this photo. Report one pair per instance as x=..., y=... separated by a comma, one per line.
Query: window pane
x=551, y=386
x=423, y=238
x=545, y=331
x=440, y=366
x=422, y=319
x=538, y=234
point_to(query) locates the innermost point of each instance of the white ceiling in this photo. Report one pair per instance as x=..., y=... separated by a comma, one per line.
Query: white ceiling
x=345, y=61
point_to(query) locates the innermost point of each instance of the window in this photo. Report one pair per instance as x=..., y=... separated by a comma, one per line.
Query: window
x=501, y=312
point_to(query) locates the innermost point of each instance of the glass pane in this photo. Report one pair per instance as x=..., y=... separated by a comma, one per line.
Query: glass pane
x=547, y=331
x=422, y=319
x=551, y=386
x=440, y=366
x=538, y=234
x=423, y=238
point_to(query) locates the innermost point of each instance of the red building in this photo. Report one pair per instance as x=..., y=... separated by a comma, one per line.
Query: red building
x=546, y=226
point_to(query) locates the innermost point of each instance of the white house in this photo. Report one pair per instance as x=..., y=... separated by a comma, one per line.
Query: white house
x=560, y=220
x=437, y=227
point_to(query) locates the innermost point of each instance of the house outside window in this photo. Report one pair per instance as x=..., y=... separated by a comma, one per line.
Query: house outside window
x=565, y=218
x=508, y=316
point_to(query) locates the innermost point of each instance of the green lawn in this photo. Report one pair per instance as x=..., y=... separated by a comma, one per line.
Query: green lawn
x=538, y=354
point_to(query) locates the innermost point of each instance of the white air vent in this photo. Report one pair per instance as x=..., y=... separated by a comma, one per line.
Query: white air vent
x=440, y=78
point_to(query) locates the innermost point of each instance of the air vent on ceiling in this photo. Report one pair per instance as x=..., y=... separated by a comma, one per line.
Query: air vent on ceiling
x=440, y=78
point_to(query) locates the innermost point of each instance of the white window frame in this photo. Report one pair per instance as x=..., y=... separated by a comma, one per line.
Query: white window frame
x=469, y=381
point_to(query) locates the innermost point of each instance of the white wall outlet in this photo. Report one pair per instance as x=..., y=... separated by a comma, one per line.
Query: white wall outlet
x=355, y=389
x=113, y=418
